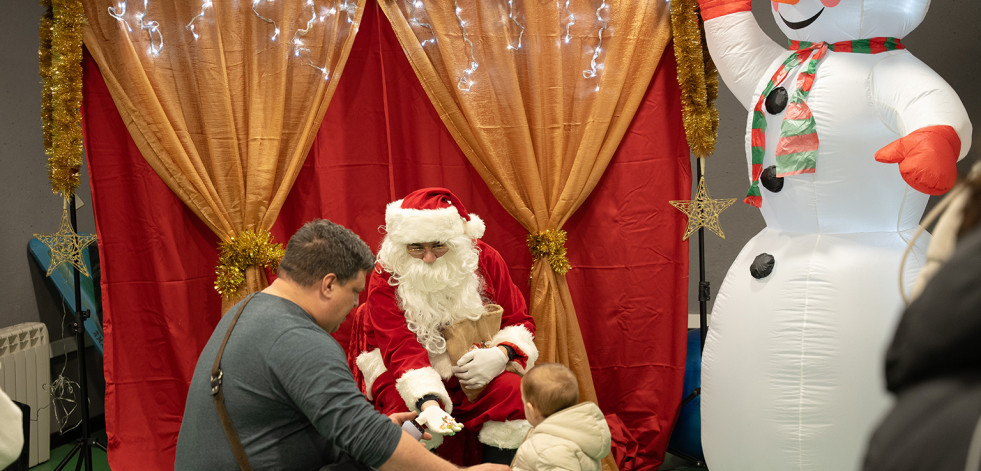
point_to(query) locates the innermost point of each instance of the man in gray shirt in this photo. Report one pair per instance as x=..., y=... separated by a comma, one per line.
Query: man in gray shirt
x=286, y=385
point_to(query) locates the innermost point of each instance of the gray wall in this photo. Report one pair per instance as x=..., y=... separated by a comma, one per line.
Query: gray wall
x=28, y=205
x=948, y=40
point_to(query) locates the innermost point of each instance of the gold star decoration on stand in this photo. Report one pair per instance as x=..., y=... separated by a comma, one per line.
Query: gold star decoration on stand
x=66, y=245
x=703, y=211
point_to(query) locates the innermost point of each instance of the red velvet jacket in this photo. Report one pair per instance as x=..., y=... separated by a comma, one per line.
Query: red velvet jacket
x=382, y=325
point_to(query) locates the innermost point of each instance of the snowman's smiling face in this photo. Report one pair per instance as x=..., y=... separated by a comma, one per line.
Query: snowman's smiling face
x=804, y=22
x=842, y=20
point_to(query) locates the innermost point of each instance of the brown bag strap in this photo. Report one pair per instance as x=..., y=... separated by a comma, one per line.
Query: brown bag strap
x=226, y=420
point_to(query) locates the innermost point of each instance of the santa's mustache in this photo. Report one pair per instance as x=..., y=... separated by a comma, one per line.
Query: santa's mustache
x=450, y=271
x=435, y=295
x=437, y=277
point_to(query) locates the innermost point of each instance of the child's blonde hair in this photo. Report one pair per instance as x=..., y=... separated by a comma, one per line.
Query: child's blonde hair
x=550, y=387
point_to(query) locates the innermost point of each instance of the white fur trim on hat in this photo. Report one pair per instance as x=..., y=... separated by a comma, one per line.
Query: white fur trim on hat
x=521, y=337
x=417, y=383
x=407, y=226
x=371, y=366
x=508, y=434
x=474, y=228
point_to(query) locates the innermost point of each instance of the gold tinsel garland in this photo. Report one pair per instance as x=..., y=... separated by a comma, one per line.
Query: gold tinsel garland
x=249, y=248
x=44, y=62
x=60, y=57
x=697, y=77
x=550, y=244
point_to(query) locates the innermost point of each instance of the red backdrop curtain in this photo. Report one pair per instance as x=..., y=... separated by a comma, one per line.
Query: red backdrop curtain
x=379, y=140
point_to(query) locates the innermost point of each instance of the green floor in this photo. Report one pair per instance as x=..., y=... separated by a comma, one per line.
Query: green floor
x=99, y=460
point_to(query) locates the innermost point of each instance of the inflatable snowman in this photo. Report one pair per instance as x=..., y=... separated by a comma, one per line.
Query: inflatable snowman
x=848, y=134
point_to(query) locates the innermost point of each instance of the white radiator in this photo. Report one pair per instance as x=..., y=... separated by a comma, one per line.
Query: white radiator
x=25, y=375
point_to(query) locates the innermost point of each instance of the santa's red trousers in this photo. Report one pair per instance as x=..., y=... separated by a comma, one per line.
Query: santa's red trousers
x=500, y=401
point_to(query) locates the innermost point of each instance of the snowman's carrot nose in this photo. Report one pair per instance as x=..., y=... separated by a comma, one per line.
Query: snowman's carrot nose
x=789, y=2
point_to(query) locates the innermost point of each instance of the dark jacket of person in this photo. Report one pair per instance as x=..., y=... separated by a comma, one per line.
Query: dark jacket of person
x=933, y=366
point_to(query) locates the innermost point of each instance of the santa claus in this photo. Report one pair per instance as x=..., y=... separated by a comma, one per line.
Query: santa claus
x=434, y=272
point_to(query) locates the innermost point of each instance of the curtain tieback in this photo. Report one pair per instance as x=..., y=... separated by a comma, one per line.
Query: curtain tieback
x=550, y=244
x=249, y=248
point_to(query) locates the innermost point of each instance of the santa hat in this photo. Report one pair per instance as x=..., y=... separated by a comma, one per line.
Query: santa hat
x=430, y=215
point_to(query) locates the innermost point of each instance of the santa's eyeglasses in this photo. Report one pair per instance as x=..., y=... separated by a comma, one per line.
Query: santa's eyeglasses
x=419, y=250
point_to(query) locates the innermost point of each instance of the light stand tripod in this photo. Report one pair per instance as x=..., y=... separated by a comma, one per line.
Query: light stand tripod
x=83, y=445
x=704, y=294
x=704, y=289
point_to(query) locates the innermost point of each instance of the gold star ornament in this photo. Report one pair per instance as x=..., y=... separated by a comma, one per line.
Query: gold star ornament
x=702, y=211
x=66, y=245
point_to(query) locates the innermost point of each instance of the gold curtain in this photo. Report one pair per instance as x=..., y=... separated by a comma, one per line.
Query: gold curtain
x=538, y=111
x=224, y=99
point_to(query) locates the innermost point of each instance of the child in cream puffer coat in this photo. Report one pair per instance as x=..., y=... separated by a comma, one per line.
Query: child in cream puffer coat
x=565, y=435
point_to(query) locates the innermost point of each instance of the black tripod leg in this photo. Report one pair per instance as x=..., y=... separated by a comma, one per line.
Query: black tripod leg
x=86, y=457
x=99, y=445
x=85, y=443
x=84, y=449
x=64, y=461
x=691, y=459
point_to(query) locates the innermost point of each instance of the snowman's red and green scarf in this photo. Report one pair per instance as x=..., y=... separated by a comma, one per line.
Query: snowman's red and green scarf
x=796, y=151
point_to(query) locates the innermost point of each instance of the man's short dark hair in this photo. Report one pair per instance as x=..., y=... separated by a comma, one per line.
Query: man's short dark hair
x=321, y=247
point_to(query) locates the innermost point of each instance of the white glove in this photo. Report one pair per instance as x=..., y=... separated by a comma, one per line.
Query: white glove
x=479, y=366
x=438, y=421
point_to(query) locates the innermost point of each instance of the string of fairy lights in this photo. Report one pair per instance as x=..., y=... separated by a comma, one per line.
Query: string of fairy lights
x=511, y=15
x=190, y=26
x=255, y=9
x=122, y=13
x=415, y=8
x=570, y=20
x=415, y=13
x=604, y=22
x=298, y=47
x=466, y=77
x=151, y=27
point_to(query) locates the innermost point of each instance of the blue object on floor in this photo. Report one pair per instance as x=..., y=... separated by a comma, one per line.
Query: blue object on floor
x=686, y=439
x=64, y=281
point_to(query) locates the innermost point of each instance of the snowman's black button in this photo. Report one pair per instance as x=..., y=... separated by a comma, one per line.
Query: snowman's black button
x=776, y=100
x=762, y=266
x=770, y=180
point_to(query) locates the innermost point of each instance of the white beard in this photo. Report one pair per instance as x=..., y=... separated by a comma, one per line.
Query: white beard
x=435, y=295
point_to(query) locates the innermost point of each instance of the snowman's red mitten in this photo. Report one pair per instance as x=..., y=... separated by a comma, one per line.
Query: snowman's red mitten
x=716, y=8
x=927, y=158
